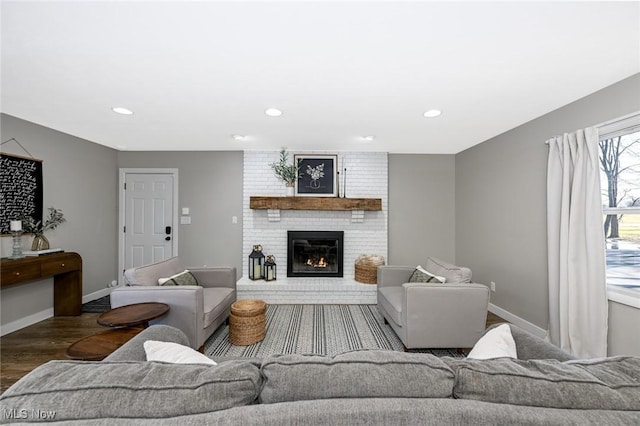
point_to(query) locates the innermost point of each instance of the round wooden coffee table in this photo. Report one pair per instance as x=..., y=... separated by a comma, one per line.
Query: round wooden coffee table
x=247, y=323
x=127, y=321
x=133, y=315
x=99, y=345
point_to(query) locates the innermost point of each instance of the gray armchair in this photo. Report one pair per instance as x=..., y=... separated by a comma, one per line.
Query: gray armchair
x=433, y=315
x=196, y=310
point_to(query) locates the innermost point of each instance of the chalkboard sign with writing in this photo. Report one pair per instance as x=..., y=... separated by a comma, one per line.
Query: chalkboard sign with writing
x=20, y=189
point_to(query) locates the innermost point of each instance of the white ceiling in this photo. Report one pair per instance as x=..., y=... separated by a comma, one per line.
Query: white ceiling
x=195, y=73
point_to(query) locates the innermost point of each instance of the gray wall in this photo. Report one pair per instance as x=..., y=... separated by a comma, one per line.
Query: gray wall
x=80, y=178
x=210, y=184
x=623, y=340
x=421, y=208
x=501, y=201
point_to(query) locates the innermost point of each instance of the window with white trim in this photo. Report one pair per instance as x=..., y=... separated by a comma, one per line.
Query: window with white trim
x=620, y=183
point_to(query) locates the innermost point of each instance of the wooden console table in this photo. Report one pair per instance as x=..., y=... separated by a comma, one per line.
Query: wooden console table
x=64, y=267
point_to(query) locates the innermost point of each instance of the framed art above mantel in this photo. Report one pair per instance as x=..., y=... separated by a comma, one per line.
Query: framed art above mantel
x=318, y=175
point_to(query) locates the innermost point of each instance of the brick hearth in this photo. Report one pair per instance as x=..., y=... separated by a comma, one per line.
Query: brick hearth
x=308, y=291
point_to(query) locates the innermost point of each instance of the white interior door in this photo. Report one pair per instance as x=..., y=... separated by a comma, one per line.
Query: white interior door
x=148, y=218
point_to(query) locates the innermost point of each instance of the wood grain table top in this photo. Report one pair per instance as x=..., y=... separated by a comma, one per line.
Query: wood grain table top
x=99, y=345
x=133, y=315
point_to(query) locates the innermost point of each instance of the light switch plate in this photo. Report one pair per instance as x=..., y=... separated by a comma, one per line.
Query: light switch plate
x=185, y=210
x=185, y=220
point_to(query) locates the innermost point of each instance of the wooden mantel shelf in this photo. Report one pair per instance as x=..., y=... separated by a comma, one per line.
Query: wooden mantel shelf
x=315, y=203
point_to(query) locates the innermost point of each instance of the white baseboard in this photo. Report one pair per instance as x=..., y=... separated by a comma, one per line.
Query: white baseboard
x=12, y=326
x=96, y=295
x=47, y=313
x=514, y=319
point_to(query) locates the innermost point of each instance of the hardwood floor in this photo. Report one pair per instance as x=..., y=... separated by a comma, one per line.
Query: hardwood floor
x=26, y=349
x=493, y=319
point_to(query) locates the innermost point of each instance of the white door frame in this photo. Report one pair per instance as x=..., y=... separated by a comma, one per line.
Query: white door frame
x=121, y=219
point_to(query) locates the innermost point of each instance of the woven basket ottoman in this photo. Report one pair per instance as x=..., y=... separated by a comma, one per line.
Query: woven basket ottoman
x=247, y=322
x=367, y=268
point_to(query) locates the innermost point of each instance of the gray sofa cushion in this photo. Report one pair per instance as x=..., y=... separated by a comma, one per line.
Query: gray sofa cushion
x=90, y=390
x=216, y=301
x=453, y=273
x=133, y=350
x=358, y=374
x=400, y=412
x=529, y=346
x=149, y=274
x=606, y=384
x=391, y=300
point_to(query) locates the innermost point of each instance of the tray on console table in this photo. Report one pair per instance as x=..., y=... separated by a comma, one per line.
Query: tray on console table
x=64, y=267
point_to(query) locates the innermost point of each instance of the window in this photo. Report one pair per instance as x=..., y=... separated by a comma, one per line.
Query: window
x=620, y=182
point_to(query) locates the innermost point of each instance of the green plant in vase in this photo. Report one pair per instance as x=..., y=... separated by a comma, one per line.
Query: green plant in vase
x=40, y=242
x=286, y=171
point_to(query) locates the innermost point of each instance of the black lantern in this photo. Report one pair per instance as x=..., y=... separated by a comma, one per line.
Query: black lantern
x=270, y=268
x=256, y=263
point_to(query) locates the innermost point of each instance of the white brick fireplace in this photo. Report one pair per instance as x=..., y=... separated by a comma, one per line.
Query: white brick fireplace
x=366, y=177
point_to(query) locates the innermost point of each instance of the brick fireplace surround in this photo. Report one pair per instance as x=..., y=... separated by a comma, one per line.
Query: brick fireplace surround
x=367, y=177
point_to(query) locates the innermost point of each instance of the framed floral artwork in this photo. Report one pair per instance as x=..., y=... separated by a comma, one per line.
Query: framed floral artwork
x=317, y=175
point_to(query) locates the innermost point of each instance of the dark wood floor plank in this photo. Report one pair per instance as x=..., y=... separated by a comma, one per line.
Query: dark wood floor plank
x=30, y=347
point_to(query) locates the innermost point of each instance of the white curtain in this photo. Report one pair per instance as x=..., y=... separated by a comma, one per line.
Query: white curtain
x=578, y=307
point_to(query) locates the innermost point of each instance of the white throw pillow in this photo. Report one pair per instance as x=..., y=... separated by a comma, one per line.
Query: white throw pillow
x=496, y=343
x=182, y=278
x=421, y=275
x=429, y=274
x=174, y=353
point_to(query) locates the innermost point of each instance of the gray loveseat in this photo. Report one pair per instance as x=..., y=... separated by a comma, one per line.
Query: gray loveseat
x=196, y=310
x=364, y=387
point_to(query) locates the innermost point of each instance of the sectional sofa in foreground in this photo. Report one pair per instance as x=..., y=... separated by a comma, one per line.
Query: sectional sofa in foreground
x=543, y=386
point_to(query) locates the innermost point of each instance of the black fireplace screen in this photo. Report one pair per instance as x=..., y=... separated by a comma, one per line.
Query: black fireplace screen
x=315, y=253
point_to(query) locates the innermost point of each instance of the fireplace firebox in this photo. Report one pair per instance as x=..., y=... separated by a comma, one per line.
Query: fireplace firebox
x=315, y=253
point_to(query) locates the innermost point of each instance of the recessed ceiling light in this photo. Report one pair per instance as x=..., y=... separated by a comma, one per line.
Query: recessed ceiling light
x=432, y=113
x=368, y=138
x=239, y=137
x=273, y=112
x=121, y=110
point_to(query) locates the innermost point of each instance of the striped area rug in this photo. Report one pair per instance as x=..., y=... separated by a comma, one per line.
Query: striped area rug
x=315, y=329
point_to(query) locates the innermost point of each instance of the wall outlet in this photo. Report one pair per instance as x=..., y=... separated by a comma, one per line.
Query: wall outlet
x=493, y=286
